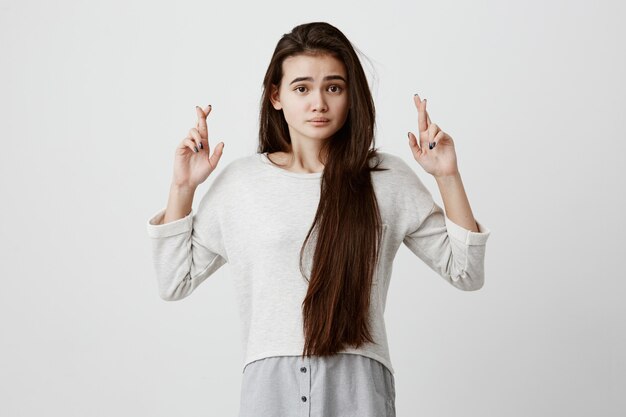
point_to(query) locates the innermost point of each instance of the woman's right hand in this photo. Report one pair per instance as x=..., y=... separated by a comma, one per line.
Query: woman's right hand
x=192, y=164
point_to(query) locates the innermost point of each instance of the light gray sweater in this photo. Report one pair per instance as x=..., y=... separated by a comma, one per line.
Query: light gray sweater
x=255, y=216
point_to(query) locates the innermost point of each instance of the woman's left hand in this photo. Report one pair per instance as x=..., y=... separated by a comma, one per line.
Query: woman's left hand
x=440, y=160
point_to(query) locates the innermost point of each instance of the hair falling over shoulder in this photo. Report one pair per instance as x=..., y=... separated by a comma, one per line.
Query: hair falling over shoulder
x=347, y=228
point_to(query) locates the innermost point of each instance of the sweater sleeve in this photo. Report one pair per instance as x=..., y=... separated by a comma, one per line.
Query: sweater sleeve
x=453, y=252
x=187, y=251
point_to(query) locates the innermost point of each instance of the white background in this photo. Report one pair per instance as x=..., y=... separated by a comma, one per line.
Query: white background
x=94, y=98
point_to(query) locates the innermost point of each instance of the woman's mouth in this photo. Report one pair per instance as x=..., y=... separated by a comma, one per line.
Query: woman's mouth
x=319, y=122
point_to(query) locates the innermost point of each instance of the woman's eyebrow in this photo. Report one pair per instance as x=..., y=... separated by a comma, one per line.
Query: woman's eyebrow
x=329, y=77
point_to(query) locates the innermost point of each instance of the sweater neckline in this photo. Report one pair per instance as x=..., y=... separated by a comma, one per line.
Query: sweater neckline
x=303, y=175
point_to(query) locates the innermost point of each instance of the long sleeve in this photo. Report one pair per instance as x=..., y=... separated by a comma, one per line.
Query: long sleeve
x=453, y=252
x=187, y=251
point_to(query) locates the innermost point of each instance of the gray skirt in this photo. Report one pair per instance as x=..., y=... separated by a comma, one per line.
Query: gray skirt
x=342, y=385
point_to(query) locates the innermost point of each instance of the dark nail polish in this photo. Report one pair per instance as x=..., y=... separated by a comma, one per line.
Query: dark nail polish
x=430, y=145
x=408, y=135
x=195, y=148
x=434, y=144
x=201, y=145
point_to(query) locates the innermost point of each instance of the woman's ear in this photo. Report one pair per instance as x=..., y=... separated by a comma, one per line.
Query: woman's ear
x=274, y=98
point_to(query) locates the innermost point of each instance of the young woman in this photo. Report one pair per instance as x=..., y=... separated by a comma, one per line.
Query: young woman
x=310, y=225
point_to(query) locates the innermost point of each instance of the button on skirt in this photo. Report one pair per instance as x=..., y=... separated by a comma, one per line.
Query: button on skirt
x=341, y=385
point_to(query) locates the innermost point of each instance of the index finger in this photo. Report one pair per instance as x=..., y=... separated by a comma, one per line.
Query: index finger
x=421, y=113
x=202, y=126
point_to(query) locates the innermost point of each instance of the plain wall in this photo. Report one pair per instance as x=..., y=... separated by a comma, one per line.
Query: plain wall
x=95, y=96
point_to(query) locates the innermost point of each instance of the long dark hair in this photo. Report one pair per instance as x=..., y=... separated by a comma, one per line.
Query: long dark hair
x=335, y=310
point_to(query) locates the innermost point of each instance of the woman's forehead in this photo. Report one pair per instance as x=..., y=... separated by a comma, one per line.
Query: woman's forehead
x=316, y=66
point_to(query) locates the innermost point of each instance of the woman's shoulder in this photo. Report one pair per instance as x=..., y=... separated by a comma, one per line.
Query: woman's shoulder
x=238, y=166
x=400, y=188
x=228, y=173
x=394, y=164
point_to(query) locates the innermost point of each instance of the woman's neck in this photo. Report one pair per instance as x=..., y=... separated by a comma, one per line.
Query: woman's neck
x=298, y=161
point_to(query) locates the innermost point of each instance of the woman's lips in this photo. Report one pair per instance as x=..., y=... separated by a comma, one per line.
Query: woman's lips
x=319, y=122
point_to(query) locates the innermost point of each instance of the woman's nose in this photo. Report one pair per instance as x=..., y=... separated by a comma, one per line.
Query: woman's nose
x=319, y=102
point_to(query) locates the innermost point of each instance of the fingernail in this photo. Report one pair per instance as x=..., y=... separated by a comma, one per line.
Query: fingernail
x=408, y=134
x=430, y=145
x=196, y=149
x=201, y=145
x=434, y=144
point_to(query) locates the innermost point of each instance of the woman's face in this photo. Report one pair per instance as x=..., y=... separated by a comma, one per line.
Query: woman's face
x=312, y=87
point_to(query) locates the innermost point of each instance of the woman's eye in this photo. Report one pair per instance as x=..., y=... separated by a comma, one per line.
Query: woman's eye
x=298, y=89
x=338, y=88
